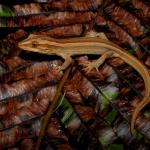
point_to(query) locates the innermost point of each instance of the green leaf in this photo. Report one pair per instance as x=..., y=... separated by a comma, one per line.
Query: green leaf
x=131, y=51
x=111, y=116
x=105, y=102
x=106, y=136
x=116, y=147
x=146, y=30
x=139, y=136
x=69, y=113
x=6, y=11
x=109, y=93
x=4, y=51
x=129, y=48
x=147, y=114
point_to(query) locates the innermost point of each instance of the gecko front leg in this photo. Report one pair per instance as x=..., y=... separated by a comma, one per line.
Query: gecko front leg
x=68, y=61
x=95, y=64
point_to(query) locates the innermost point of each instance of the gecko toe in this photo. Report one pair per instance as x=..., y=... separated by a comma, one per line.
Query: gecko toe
x=90, y=66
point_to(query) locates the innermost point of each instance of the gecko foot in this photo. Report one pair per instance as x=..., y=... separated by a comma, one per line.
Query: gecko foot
x=95, y=64
x=90, y=65
x=68, y=61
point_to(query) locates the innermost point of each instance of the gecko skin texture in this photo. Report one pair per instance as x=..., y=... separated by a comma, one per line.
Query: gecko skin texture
x=89, y=45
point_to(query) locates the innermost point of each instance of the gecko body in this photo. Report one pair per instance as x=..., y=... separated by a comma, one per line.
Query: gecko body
x=91, y=46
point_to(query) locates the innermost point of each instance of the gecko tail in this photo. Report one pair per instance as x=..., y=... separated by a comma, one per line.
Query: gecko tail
x=137, y=110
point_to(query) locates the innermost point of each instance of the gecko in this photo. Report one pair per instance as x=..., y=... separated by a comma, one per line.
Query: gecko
x=66, y=48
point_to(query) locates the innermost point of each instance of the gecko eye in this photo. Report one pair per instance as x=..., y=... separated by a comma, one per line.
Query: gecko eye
x=34, y=44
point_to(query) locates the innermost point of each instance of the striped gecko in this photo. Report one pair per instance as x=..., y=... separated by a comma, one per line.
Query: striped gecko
x=66, y=48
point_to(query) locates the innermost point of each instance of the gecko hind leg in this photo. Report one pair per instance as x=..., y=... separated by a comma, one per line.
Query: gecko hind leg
x=95, y=64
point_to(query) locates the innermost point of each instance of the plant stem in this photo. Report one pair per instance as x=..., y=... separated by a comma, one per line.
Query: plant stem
x=52, y=108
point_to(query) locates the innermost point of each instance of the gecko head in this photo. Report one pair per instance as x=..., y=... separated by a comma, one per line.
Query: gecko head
x=29, y=43
x=38, y=43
